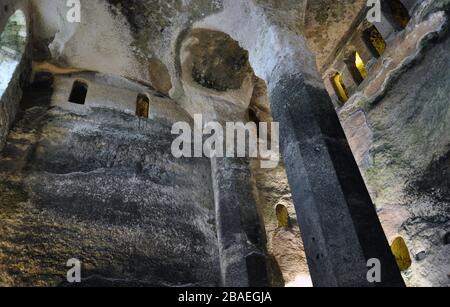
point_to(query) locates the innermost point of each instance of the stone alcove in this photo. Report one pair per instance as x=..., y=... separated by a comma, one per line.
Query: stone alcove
x=302, y=107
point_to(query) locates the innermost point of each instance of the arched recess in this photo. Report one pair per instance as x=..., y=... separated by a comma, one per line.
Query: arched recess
x=142, y=106
x=340, y=88
x=340, y=227
x=12, y=47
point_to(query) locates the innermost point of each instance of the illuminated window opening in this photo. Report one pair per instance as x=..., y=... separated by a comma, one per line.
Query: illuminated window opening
x=142, y=106
x=340, y=88
x=360, y=65
x=282, y=216
x=79, y=92
x=401, y=254
x=356, y=67
x=374, y=41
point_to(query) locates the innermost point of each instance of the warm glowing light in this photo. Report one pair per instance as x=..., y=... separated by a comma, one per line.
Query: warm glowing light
x=401, y=253
x=142, y=106
x=340, y=88
x=375, y=41
x=360, y=65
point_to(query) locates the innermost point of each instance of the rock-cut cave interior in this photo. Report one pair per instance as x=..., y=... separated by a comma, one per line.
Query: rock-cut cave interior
x=90, y=91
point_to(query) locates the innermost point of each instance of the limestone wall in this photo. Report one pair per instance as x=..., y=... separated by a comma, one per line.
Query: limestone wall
x=105, y=91
x=99, y=184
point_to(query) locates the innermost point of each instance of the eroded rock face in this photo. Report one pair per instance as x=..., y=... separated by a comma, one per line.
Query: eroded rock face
x=326, y=22
x=219, y=62
x=397, y=126
x=88, y=176
x=428, y=225
x=104, y=188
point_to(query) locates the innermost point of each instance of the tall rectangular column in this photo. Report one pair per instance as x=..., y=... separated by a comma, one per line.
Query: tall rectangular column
x=239, y=229
x=339, y=223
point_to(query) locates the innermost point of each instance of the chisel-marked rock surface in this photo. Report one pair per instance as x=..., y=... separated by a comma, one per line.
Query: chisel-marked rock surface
x=102, y=189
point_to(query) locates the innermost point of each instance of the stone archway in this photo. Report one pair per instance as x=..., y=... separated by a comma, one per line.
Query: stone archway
x=339, y=223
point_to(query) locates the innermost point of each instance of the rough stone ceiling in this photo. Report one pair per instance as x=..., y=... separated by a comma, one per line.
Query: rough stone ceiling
x=326, y=22
x=151, y=20
x=137, y=33
x=154, y=22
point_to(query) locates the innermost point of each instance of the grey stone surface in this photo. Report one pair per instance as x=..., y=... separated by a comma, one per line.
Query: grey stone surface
x=410, y=5
x=402, y=145
x=100, y=188
x=339, y=224
x=240, y=232
x=405, y=124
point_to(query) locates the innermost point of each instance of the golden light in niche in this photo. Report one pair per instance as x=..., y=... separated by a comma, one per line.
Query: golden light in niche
x=360, y=65
x=340, y=88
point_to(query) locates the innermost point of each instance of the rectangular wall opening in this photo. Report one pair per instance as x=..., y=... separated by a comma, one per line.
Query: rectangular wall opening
x=356, y=67
x=79, y=92
x=142, y=106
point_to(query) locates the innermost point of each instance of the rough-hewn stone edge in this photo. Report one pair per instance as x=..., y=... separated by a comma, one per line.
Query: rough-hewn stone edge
x=10, y=100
